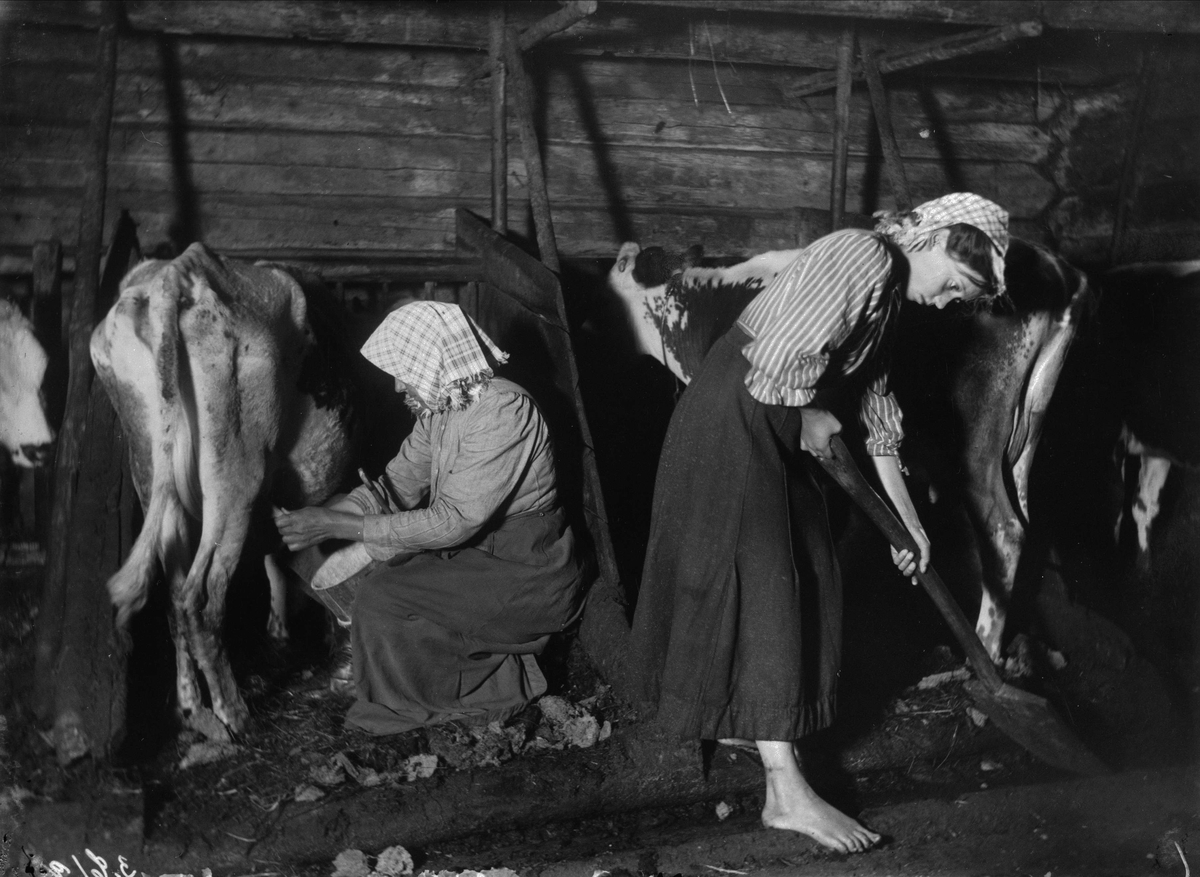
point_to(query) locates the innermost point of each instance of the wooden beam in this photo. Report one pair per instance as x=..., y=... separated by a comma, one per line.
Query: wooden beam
x=1127, y=189
x=123, y=253
x=570, y=14
x=48, y=316
x=938, y=50
x=883, y=122
x=1135, y=16
x=539, y=199
x=71, y=436
x=841, y=124
x=496, y=27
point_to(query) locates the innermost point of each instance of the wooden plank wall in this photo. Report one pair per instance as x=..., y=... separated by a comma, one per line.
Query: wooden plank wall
x=305, y=136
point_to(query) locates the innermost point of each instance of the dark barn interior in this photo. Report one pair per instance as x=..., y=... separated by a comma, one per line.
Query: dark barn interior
x=498, y=156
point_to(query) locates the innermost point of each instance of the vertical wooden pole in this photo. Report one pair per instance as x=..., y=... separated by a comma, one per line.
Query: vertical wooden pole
x=539, y=199
x=499, y=122
x=1127, y=188
x=883, y=121
x=71, y=436
x=47, y=319
x=841, y=125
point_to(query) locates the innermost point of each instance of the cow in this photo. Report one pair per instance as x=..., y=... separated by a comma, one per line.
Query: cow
x=1150, y=323
x=25, y=434
x=235, y=392
x=997, y=373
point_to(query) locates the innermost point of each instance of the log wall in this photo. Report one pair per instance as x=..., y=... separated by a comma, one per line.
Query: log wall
x=350, y=132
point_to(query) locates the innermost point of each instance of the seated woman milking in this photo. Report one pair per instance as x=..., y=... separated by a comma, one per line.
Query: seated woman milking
x=476, y=564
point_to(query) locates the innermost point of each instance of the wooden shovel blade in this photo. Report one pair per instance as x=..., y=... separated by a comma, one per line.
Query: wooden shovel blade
x=1025, y=717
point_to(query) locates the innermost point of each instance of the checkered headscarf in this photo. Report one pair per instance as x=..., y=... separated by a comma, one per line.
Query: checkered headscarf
x=436, y=349
x=970, y=209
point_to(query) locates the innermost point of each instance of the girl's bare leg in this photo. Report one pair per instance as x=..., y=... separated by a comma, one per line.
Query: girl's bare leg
x=792, y=804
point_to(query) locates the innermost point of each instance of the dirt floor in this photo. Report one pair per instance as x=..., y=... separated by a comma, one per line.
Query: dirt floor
x=579, y=783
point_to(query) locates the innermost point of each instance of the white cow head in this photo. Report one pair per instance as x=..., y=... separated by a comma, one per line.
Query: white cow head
x=24, y=432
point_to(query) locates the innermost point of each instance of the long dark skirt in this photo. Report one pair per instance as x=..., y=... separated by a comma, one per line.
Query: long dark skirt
x=451, y=635
x=738, y=621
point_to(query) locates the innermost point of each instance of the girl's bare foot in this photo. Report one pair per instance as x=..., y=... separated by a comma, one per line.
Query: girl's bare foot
x=792, y=804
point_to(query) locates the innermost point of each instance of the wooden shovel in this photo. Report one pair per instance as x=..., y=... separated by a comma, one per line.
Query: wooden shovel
x=1026, y=718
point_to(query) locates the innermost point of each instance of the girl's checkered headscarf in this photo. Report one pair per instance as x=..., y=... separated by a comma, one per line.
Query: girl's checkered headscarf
x=915, y=227
x=437, y=350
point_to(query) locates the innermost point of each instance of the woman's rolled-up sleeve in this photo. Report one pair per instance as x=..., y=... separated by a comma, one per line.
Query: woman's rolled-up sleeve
x=881, y=417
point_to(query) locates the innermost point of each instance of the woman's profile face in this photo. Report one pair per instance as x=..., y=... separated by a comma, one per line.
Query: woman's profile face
x=936, y=278
x=411, y=397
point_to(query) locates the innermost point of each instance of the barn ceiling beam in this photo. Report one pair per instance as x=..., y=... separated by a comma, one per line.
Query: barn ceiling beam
x=1135, y=16
x=796, y=45
x=938, y=50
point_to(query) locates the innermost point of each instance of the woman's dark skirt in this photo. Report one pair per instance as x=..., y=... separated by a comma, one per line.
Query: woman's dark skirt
x=452, y=635
x=738, y=624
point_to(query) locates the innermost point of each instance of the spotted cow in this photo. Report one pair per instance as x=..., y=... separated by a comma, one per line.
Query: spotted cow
x=235, y=393
x=978, y=391
x=1150, y=324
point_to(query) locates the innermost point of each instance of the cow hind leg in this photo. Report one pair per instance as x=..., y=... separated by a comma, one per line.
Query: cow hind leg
x=189, y=699
x=277, y=618
x=209, y=577
x=1152, y=477
x=1004, y=541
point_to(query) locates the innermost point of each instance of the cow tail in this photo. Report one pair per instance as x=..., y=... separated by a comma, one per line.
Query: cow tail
x=162, y=545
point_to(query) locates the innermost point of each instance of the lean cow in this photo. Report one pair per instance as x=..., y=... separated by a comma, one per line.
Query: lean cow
x=25, y=435
x=995, y=374
x=1150, y=315
x=235, y=393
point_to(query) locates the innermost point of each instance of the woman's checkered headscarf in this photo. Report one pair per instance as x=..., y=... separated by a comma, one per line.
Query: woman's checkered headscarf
x=914, y=228
x=437, y=350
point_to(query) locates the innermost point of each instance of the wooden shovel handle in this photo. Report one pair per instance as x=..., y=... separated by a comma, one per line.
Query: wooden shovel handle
x=842, y=469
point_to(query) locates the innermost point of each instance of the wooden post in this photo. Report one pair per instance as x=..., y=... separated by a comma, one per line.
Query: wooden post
x=499, y=122
x=841, y=125
x=570, y=14
x=1127, y=189
x=71, y=436
x=47, y=308
x=883, y=122
x=46, y=314
x=539, y=198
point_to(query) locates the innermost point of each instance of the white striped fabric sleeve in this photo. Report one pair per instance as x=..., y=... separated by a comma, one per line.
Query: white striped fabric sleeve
x=882, y=419
x=807, y=312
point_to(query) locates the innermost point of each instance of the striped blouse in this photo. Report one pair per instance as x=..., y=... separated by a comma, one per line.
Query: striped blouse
x=829, y=309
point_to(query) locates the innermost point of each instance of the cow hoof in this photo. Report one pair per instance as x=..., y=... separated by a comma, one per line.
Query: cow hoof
x=70, y=741
x=277, y=631
x=204, y=721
